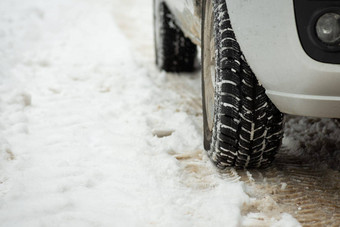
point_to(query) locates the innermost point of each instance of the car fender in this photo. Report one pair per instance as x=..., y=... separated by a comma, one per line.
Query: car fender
x=266, y=31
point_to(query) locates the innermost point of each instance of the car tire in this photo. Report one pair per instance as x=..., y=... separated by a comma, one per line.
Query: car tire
x=174, y=52
x=242, y=127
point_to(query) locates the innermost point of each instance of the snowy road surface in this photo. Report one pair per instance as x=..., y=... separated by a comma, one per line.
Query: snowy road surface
x=91, y=134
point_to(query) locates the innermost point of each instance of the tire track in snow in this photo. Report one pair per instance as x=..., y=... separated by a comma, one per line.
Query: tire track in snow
x=310, y=193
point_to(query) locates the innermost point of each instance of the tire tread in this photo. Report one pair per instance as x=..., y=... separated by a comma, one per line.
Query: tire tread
x=249, y=129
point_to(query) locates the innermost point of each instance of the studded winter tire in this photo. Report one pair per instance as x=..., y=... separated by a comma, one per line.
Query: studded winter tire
x=174, y=52
x=242, y=127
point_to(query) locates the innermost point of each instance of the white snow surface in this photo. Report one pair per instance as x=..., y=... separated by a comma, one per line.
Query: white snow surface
x=78, y=118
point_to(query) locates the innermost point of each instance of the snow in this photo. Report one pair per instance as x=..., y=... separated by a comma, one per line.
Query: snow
x=314, y=139
x=92, y=137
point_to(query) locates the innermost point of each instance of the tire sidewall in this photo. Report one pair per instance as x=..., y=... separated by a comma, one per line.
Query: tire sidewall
x=209, y=135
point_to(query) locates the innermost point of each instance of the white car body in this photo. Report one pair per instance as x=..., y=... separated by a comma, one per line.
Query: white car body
x=267, y=33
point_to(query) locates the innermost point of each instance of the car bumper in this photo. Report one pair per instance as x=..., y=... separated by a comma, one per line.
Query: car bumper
x=306, y=105
x=296, y=84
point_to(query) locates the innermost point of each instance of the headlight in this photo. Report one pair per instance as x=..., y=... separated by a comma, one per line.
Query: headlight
x=328, y=28
x=318, y=26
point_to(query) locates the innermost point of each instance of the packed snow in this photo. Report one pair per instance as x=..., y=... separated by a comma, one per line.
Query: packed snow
x=90, y=136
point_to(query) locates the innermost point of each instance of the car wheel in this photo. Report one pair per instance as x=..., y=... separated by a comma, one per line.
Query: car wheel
x=242, y=127
x=174, y=52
